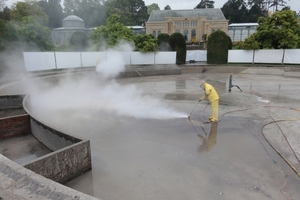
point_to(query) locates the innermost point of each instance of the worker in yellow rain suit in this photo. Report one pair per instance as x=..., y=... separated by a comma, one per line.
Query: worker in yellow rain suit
x=213, y=98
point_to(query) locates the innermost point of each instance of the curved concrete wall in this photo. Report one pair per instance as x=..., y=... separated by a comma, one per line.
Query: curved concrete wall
x=65, y=164
x=71, y=156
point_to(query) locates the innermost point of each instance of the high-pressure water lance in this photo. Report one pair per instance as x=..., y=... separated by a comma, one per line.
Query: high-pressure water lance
x=189, y=116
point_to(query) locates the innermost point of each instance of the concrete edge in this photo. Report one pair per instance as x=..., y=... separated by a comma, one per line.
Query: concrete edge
x=287, y=71
x=17, y=182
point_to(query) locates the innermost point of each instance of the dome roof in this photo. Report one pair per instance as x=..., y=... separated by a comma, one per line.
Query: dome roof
x=73, y=18
x=73, y=21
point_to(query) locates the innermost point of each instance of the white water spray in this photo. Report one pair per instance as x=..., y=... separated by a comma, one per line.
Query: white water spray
x=85, y=95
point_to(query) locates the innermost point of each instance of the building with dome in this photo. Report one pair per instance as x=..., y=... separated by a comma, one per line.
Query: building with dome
x=71, y=24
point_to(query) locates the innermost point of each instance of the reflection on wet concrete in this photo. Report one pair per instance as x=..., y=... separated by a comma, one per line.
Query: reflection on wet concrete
x=180, y=84
x=175, y=96
x=209, y=142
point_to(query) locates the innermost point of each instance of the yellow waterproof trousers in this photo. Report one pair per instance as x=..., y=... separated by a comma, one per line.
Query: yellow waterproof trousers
x=215, y=111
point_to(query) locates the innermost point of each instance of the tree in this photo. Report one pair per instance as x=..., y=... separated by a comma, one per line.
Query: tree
x=235, y=11
x=96, y=13
x=256, y=12
x=280, y=30
x=261, y=4
x=8, y=33
x=276, y=3
x=112, y=33
x=250, y=43
x=205, y=4
x=238, y=11
x=54, y=11
x=167, y=7
x=30, y=22
x=36, y=35
x=145, y=43
x=22, y=10
x=177, y=43
x=132, y=12
x=152, y=7
x=5, y=14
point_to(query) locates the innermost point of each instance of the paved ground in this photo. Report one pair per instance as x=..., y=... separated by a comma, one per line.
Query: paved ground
x=144, y=147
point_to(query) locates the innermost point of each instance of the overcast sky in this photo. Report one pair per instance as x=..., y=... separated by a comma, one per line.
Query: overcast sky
x=190, y=4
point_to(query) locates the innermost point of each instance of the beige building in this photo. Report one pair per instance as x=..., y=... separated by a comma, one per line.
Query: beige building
x=193, y=24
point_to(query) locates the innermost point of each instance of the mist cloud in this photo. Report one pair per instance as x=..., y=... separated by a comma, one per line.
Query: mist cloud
x=86, y=94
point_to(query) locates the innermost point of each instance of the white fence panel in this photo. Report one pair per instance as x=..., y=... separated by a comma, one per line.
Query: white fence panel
x=127, y=57
x=201, y=55
x=240, y=56
x=165, y=57
x=190, y=55
x=268, y=56
x=197, y=55
x=68, y=60
x=291, y=56
x=138, y=58
x=90, y=59
x=35, y=61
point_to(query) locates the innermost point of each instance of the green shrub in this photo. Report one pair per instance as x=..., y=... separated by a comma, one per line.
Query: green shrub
x=163, y=42
x=145, y=43
x=177, y=43
x=217, y=47
x=230, y=45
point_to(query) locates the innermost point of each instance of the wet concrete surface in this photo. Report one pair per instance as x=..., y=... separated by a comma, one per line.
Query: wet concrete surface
x=177, y=158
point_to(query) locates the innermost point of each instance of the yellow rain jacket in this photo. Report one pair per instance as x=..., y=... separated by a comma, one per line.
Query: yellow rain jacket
x=210, y=92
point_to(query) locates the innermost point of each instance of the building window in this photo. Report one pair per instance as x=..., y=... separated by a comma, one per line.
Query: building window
x=154, y=34
x=186, y=23
x=193, y=23
x=185, y=34
x=237, y=35
x=158, y=32
x=177, y=24
x=193, y=36
x=177, y=31
x=193, y=33
x=245, y=34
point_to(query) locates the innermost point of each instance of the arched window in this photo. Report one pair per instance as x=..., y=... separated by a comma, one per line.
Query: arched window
x=185, y=34
x=158, y=32
x=154, y=34
x=193, y=36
